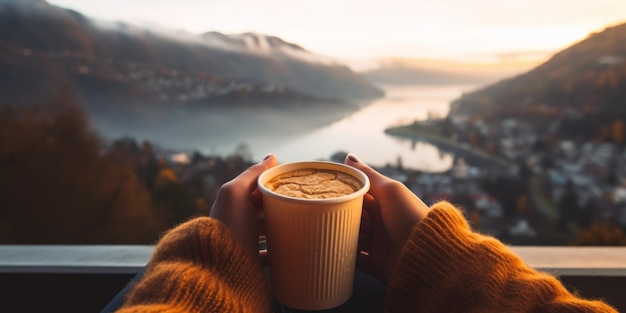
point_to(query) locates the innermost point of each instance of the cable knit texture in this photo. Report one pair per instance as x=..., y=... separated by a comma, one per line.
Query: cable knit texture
x=444, y=267
x=200, y=267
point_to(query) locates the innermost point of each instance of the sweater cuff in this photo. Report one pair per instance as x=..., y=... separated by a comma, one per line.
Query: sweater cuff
x=442, y=259
x=446, y=267
x=200, y=264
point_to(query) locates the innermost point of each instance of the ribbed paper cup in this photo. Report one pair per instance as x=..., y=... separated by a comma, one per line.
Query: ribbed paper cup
x=312, y=243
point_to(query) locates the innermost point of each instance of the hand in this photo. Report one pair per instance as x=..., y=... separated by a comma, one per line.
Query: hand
x=390, y=211
x=238, y=203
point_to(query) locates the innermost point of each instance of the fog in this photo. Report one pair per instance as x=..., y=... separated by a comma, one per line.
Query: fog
x=218, y=131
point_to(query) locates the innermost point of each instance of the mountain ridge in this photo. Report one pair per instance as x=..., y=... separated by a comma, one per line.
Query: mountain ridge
x=586, y=79
x=410, y=71
x=38, y=29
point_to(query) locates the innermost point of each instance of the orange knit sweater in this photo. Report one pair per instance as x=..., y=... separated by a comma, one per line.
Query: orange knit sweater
x=444, y=267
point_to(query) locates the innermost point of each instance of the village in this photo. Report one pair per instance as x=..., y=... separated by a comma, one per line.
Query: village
x=523, y=187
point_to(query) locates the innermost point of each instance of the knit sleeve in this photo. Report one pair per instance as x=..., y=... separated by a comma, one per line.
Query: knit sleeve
x=200, y=267
x=446, y=267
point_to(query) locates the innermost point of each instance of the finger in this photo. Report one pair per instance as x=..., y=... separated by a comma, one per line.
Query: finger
x=234, y=202
x=366, y=214
x=376, y=179
x=257, y=201
x=363, y=262
x=261, y=225
x=366, y=221
x=263, y=257
x=257, y=204
x=248, y=177
x=236, y=193
x=256, y=193
x=364, y=242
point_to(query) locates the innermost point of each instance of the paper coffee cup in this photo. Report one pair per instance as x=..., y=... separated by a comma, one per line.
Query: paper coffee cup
x=312, y=243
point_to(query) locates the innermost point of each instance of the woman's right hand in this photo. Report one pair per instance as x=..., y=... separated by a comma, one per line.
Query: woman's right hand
x=390, y=211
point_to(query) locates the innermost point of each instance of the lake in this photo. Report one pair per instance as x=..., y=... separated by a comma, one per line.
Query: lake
x=296, y=136
x=362, y=133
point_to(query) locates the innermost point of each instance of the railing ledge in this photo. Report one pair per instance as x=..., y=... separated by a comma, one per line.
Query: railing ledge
x=74, y=259
x=129, y=259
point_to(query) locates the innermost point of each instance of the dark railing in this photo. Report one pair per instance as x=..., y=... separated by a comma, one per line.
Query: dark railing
x=81, y=278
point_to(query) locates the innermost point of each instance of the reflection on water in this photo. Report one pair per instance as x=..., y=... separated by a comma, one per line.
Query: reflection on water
x=363, y=132
x=314, y=135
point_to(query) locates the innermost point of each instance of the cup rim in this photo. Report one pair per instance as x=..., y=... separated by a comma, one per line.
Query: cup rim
x=286, y=167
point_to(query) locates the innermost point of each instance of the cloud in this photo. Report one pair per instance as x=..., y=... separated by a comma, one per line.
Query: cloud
x=361, y=28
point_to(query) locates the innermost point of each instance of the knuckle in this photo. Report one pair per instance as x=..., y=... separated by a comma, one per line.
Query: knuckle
x=228, y=189
x=393, y=185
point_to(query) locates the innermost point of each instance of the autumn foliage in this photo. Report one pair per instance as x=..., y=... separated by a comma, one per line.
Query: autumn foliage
x=63, y=184
x=601, y=234
x=57, y=185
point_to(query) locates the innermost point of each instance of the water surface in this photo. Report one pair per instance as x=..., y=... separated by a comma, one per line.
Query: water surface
x=295, y=136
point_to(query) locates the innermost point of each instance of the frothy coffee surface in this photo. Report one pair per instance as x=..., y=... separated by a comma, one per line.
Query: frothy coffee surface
x=314, y=183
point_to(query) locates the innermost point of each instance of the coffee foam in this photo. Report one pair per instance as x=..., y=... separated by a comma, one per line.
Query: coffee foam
x=311, y=183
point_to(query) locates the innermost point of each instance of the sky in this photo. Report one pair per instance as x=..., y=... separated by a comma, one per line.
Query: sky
x=359, y=31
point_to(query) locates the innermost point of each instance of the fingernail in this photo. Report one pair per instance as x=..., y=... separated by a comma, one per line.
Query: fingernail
x=353, y=158
x=267, y=157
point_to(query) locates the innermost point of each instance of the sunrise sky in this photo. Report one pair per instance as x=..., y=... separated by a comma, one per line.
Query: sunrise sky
x=357, y=31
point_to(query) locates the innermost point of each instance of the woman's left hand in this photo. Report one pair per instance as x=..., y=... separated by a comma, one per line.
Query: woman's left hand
x=238, y=204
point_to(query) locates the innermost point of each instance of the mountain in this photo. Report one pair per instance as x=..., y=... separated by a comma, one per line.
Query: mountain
x=586, y=80
x=46, y=48
x=406, y=71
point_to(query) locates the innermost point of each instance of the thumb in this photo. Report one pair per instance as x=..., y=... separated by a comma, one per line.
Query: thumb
x=377, y=180
x=248, y=178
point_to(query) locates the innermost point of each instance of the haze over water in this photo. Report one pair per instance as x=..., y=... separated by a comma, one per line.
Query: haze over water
x=303, y=135
x=363, y=132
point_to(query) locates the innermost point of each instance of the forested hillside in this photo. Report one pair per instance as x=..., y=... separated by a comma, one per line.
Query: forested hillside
x=585, y=82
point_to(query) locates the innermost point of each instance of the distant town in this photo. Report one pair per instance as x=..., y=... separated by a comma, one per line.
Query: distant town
x=524, y=187
x=159, y=83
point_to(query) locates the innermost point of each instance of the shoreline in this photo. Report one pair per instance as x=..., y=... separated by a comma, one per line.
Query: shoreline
x=458, y=149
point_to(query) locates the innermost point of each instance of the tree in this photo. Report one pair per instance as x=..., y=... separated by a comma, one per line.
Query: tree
x=243, y=151
x=601, y=234
x=569, y=208
x=58, y=187
x=173, y=200
x=618, y=132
